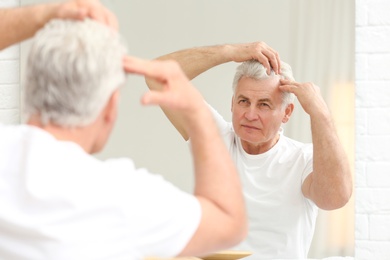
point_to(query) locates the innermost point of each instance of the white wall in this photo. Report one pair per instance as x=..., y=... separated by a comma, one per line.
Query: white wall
x=372, y=231
x=10, y=79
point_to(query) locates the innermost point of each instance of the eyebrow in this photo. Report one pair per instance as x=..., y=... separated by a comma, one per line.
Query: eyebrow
x=264, y=100
x=242, y=96
x=259, y=100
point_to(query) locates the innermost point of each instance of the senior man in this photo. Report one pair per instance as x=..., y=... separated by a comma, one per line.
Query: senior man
x=284, y=181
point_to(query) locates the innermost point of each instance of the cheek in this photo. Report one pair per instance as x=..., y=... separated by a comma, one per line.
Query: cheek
x=236, y=112
x=270, y=117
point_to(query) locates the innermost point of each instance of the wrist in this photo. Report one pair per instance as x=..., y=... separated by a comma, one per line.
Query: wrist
x=46, y=13
x=217, y=54
x=228, y=51
x=200, y=123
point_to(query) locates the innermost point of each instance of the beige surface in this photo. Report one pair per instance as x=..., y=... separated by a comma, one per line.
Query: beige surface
x=221, y=255
x=174, y=258
x=227, y=255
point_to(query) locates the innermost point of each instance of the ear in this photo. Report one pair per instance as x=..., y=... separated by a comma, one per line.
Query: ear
x=231, y=105
x=110, y=111
x=287, y=112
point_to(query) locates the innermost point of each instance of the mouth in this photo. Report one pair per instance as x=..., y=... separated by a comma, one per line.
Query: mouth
x=250, y=127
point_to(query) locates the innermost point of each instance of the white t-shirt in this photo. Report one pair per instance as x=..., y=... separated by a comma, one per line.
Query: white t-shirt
x=58, y=202
x=281, y=219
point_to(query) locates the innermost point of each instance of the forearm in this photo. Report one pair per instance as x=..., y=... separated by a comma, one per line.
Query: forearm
x=217, y=186
x=213, y=165
x=332, y=181
x=195, y=61
x=19, y=24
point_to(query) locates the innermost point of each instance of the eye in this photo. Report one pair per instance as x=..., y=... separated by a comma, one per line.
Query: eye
x=242, y=101
x=264, y=105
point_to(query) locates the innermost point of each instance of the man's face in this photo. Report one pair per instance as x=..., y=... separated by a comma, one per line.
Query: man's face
x=258, y=112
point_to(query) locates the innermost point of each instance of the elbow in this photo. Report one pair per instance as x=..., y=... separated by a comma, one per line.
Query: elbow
x=336, y=201
x=242, y=232
x=238, y=233
x=344, y=194
x=335, y=194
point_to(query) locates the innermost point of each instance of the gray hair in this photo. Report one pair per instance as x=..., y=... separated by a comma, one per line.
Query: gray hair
x=72, y=69
x=255, y=70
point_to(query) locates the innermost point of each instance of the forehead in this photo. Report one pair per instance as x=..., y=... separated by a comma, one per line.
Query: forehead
x=259, y=87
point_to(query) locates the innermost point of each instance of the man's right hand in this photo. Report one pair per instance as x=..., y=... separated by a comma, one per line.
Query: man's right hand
x=81, y=9
x=259, y=51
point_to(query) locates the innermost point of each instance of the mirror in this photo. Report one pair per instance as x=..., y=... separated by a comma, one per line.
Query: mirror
x=315, y=37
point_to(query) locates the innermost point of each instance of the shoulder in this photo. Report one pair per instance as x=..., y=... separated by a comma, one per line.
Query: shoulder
x=221, y=122
x=293, y=152
x=294, y=145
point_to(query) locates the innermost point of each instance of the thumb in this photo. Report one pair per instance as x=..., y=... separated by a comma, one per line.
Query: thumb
x=74, y=13
x=153, y=98
x=287, y=88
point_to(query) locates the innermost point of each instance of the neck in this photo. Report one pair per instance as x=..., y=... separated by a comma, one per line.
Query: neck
x=83, y=136
x=259, y=148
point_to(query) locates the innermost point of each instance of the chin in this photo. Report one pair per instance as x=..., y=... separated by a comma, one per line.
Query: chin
x=251, y=139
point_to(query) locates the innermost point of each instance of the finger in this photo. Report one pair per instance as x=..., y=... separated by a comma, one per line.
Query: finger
x=273, y=59
x=137, y=66
x=73, y=13
x=288, y=88
x=265, y=62
x=145, y=68
x=279, y=70
x=97, y=15
x=154, y=98
x=112, y=21
x=158, y=70
x=288, y=82
x=106, y=17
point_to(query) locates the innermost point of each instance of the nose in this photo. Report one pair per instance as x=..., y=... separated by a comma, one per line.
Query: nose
x=251, y=114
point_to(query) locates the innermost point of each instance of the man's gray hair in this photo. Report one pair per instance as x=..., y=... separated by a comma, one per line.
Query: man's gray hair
x=255, y=70
x=72, y=69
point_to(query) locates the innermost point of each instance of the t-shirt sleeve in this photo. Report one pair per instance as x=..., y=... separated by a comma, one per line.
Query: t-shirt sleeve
x=176, y=216
x=222, y=125
x=308, y=157
x=225, y=128
x=163, y=217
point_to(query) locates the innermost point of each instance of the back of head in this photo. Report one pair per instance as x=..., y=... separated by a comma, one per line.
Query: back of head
x=255, y=70
x=72, y=69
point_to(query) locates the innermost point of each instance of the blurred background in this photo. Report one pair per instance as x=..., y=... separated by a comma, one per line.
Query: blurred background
x=315, y=37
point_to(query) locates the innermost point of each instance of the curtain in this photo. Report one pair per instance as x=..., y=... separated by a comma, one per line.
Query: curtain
x=329, y=41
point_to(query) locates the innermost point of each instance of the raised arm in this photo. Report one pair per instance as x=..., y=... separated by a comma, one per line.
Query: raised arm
x=195, y=61
x=21, y=23
x=330, y=183
x=223, y=223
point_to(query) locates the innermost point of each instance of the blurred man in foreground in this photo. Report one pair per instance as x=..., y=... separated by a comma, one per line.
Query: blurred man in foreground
x=60, y=202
